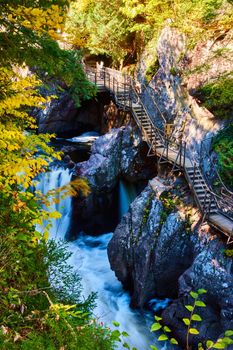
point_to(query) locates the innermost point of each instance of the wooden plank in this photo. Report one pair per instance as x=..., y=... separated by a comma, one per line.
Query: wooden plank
x=171, y=155
x=222, y=222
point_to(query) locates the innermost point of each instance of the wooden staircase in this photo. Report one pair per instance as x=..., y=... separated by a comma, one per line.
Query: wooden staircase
x=215, y=208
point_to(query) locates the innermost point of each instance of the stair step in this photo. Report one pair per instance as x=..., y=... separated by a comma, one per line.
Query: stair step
x=200, y=189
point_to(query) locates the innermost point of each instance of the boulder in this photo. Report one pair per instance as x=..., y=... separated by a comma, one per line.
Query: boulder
x=120, y=153
x=63, y=118
x=156, y=255
x=143, y=247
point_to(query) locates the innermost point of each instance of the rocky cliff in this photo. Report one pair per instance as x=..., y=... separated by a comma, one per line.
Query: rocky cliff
x=119, y=154
x=181, y=72
x=157, y=253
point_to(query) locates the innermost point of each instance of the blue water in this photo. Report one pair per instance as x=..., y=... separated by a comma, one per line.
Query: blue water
x=89, y=258
x=127, y=193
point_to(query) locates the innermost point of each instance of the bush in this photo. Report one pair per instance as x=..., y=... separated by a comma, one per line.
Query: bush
x=223, y=146
x=218, y=96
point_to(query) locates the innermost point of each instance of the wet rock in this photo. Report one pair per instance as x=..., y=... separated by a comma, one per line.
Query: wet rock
x=121, y=153
x=63, y=118
x=157, y=256
x=143, y=246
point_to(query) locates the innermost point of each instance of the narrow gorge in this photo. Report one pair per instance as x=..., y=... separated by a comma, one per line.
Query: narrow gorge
x=116, y=175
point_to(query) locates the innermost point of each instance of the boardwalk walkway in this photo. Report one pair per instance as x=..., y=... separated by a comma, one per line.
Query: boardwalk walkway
x=216, y=209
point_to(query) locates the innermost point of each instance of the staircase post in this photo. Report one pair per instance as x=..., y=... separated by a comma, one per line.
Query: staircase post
x=184, y=154
x=194, y=172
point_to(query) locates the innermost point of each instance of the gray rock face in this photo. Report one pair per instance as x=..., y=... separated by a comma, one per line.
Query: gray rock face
x=117, y=153
x=147, y=255
x=179, y=74
x=154, y=258
x=64, y=119
x=121, y=153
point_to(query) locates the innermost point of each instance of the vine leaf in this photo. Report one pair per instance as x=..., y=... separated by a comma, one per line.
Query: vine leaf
x=189, y=307
x=157, y=318
x=228, y=333
x=196, y=317
x=186, y=321
x=209, y=343
x=200, y=303
x=162, y=337
x=194, y=295
x=166, y=329
x=193, y=331
x=155, y=327
x=201, y=291
x=125, y=334
x=219, y=345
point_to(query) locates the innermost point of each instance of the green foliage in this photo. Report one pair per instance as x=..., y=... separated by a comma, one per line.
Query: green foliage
x=191, y=325
x=218, y=96
x=228, y=253
x=151, y=70
x=39, y=315
x=223, y=146
x=173, y=71
x=170, y=202
x=35, y=312
x=123, y=28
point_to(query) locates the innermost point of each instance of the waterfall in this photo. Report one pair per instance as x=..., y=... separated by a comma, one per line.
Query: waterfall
x=89, y=258
x=127, y=193
x=53, y=179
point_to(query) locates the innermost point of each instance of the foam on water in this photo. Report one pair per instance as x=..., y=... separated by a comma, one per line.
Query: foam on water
x=90, y=260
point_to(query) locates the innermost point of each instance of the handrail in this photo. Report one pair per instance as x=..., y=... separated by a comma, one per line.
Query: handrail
x=155, y=103
x=116, y=81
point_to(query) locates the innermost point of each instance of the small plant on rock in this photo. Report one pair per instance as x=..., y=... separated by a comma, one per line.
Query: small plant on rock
x=221, y=343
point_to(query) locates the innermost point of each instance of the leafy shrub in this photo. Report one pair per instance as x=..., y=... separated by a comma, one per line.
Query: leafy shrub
x=223, y=146
x=218, y=96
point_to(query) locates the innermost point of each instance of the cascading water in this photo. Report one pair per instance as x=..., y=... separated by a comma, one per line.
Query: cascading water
x=127, y=194
x=90, y=260
x=57, y=177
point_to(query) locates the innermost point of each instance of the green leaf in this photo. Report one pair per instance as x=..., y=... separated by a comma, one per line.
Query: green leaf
x=186, y=321
x=194, y=295
x=157, y=318
x=201, y=291
x=209, y=343
x=125, y=334
x=173, y=341
x=193, y=331
x=153, y=347
x=166, y=329
x=116, y=335
x=196, y=317
x=116, y=324
x=228, y=340
x=228, y=333
x=189, y=307
x=155, y=327
x=126, y=346
x=219, y=345
x=163, y=337
x=200, y=303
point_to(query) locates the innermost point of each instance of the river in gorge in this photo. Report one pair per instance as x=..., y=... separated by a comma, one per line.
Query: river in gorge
x=90, y=260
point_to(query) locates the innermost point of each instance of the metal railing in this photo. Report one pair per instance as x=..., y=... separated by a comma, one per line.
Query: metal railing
x=127, y=96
